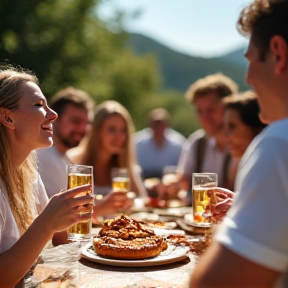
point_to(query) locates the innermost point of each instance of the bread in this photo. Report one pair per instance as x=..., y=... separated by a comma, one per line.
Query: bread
x=125, y=238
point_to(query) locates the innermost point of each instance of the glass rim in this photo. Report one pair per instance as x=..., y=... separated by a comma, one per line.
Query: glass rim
x=82, y=169
x=118, y=171
x=79, y=165
x=204, y=174
x=203, y=179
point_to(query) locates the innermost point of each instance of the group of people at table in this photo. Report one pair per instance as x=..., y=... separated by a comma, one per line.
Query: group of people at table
x=250, y=249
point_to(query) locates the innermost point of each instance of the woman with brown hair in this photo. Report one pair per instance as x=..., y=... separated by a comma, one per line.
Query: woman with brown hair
x=26, y=123
x=241, y=125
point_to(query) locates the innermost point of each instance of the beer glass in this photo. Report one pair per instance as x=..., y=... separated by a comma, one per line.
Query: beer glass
x=120, y=179
x=203, y=185
x=79, y=175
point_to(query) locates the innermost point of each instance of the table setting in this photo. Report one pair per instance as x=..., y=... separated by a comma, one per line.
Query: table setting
x=79, y=265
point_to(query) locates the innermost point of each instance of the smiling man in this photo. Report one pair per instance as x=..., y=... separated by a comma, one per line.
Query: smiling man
x=204, y=150
x=74, y=108
x=251, y=247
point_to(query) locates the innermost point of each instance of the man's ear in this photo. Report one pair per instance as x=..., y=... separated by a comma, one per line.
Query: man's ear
x=5, y=118
x=279, y=49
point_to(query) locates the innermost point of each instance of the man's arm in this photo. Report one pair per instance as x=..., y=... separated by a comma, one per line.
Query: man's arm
x=220, y=267
x=183, y=182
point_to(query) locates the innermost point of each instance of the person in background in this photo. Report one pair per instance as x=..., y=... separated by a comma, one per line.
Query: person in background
x=241, y=125
x=108, y=145
x=205, y=149
x=252, y=237
x=158, y=146
x=75, y=112
x=27, y=220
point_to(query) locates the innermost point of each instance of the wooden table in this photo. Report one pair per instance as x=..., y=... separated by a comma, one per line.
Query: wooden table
x=84, y=273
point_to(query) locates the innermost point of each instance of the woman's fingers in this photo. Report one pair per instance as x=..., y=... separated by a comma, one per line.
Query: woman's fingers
x=84, y=216
x=77, y=196
x=221, y=208
x=224, y=191
x=82, y=200
x=219, y=194
x=71, y=193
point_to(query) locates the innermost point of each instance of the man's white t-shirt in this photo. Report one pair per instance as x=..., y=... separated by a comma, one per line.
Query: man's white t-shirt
x=256, y=226
x=53, y=169
x=9, y=233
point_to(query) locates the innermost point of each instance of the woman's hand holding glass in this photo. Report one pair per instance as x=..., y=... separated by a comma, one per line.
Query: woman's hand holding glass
x=62, y=211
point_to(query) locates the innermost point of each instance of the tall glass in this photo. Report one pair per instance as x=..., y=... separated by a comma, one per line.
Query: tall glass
x=120, y=180
x=79, y=175
x=203, y=185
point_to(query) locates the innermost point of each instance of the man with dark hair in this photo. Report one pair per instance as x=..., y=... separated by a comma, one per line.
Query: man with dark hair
x=251, y=248
x=75, y=111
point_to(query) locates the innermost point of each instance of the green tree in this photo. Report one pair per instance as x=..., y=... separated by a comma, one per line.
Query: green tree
x=65, y=43
x=183, y=116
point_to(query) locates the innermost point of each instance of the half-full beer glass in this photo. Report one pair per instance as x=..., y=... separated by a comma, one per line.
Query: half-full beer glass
x=79, y=175
x=203, y=185
x=120, y=179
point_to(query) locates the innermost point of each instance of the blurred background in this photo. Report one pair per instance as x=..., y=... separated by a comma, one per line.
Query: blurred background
x=142, y=53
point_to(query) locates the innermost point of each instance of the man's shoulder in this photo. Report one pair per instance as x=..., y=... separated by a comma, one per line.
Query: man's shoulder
x=195, y=136
x=174, y=136
x=142, y=135
x=277, y=129
x=50, y=156
x=143, y=142
x=272, y=136
x=272, y=143
x=46, y=152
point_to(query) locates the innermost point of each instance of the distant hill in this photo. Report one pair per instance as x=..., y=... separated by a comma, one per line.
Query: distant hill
x=236, y=57
x=179, y=70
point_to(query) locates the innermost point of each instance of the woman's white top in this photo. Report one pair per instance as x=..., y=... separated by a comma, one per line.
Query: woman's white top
x=9, y=233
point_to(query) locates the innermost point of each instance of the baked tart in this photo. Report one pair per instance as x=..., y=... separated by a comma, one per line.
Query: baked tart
x=126, y=238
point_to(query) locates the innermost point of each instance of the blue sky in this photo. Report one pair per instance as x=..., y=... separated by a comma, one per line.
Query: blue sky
x=197, y=27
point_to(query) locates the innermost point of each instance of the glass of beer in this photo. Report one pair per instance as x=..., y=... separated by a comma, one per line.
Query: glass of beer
x=203, y=185
x=79, y=175
x=120, y=180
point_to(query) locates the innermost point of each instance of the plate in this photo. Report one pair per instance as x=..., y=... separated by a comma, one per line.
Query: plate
x=189, y=220
x=193, y=229
x=141, y=216
x=161, y=225
x=172, y=254
x=174, y=211
x=164, y=233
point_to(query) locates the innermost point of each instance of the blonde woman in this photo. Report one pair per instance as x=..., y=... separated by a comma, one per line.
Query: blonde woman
x=109, y=145
x=26, y=123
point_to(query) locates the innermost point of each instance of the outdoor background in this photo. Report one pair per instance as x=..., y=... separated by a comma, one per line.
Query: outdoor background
x=142, y=53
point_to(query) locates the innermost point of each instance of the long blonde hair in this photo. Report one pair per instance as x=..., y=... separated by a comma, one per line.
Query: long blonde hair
x=17, y=184
x=126, y=159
